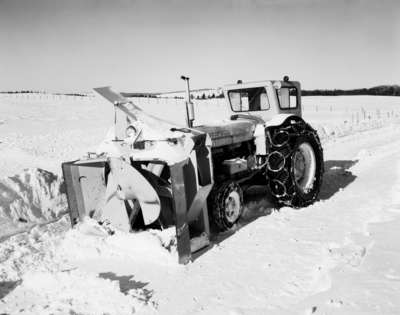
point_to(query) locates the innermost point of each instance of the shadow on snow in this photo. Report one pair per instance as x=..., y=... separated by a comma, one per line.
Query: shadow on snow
x=337, y=176
x=258, y=200
x=127, y=283
x=7, y=286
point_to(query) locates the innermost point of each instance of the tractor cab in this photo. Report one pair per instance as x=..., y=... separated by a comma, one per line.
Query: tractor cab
x=253, y=104
x=264, y=99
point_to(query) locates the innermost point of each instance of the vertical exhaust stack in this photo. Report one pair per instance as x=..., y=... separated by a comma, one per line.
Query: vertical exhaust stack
x=189, y=104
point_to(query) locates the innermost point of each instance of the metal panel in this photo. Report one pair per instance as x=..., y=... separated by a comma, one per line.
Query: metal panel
x=85, y=187
x=181, y=206
x=74, y=193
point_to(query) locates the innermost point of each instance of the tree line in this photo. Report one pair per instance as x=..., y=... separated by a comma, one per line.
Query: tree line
x=390, y=90
x=41, y=92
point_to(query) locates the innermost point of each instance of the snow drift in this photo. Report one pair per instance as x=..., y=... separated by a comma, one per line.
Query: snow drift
x=33, y=196
x=39, y=268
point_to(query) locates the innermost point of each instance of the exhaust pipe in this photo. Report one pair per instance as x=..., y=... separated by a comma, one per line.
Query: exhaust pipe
x=189, y=104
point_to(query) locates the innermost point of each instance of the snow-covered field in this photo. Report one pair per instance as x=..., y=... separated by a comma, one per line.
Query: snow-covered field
x=340, y=255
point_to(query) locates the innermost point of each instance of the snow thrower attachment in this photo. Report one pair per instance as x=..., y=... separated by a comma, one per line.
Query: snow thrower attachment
x=150, y=173
x=159, y=179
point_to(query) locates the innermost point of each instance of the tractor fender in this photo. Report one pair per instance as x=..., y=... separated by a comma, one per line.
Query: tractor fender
x=280, y=119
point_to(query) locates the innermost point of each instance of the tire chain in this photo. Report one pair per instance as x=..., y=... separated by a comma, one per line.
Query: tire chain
x=218, y=197
x=282, y=141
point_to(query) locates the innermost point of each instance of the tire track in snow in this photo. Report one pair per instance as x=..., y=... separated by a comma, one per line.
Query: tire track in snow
x=348, y=259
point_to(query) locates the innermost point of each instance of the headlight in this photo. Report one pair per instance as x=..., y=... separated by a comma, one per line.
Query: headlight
x=131, y=131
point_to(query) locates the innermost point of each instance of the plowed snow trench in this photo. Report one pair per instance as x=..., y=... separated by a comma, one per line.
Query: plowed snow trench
x=340, y=255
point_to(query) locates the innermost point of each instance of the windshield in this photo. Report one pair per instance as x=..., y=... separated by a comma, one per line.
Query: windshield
x=247, y=100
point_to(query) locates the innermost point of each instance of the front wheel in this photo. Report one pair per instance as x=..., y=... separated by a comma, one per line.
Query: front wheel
x=226, y=205
x=295, y=168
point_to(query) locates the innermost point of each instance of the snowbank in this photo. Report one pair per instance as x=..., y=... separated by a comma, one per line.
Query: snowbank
x=39, y=274
x=336, y=130
x=33, y=196
x=71, y=292
x=88, y=240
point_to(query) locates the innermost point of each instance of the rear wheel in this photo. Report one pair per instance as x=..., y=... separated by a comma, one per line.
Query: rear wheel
x=295, y=164
x=304, y=166
x=226, y=205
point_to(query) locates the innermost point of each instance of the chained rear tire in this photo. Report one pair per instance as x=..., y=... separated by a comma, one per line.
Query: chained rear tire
x=225, y=205
x=295, y=164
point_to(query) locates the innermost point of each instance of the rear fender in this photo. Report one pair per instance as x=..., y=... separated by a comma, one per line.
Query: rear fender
x=281, y=119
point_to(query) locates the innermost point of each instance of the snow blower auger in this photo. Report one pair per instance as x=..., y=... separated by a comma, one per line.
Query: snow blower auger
x=152, y=173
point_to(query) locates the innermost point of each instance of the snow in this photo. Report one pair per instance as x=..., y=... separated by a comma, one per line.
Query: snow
x=73, y=292
x=340, y=255
x=33, y=196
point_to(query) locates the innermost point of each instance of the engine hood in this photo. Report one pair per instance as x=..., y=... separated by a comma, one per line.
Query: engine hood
x=228, y=131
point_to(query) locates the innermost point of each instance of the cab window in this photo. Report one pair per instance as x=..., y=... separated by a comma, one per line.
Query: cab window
x=247, y=100
x=287, y=97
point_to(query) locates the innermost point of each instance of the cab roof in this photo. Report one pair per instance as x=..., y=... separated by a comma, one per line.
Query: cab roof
x=252, y=84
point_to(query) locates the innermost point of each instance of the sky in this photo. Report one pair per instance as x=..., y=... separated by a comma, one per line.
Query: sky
x=140, y=46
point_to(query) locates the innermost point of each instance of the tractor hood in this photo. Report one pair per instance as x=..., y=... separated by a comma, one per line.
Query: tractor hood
x=229, y=131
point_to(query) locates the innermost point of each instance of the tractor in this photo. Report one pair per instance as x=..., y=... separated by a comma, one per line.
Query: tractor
x=150, y=173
